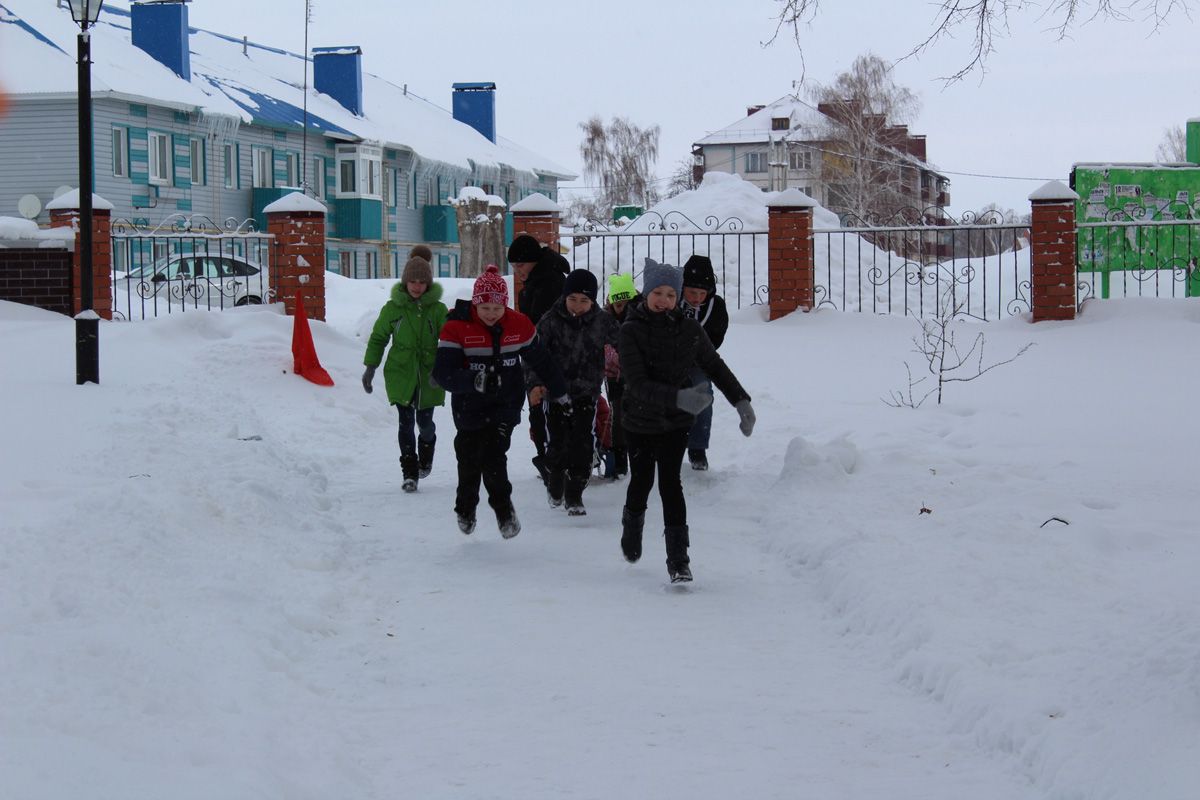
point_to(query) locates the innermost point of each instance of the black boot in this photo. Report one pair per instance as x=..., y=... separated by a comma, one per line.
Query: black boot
x=631, y=534
x=555, y=487
x=698, y=459
x=574, y=495
x=425, y=456
x=408, y=468
x=677, y=557
x=507, y=522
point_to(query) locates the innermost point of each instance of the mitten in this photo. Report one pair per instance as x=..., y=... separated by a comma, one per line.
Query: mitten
x=368, y=376
x=487, y=382
x=562, y=406
x=747, y=415
x=692, y=400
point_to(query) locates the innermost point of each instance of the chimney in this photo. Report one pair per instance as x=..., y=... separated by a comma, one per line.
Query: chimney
x=475, y=104
x=161, y=29
x=752, y=110
x=337, y=72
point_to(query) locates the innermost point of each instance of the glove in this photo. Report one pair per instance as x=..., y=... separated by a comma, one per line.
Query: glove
x=562, y=406
x=487, y=382
x=747, y=415
x=368, y=376
x=692, y=400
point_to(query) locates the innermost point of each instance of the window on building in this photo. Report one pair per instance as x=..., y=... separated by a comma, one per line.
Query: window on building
x=197, y=153
x=159, y=146
x=347, y=184
x=374, y=184
x=291, y=166
x=120, y=152
x=360, y=170
x=263, y=170
x=316, y=178
x=756, y=162
x=389, y=187
x=800, y=159
x=229, y=158
x=780, y=123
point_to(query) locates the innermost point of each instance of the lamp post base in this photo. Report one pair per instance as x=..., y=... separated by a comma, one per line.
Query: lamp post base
x=87, y=351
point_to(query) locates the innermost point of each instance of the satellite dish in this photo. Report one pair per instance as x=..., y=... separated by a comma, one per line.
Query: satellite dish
x=29, y=206
x=60, y=191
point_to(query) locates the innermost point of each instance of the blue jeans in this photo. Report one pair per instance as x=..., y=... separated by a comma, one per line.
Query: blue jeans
x=423, y=419
x=702, y=427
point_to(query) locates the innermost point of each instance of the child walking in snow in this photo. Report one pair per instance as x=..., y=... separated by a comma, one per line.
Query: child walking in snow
x=480, y=360
x=701, y=302
x=575, y=331
x=621, y=293
x=411, y=320
x=659, y=348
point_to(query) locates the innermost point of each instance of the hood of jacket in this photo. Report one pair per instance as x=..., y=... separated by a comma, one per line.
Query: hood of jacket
x=401, y=297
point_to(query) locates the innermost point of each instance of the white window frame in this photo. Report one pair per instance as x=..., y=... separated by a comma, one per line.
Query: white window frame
x=160, y=158
x=262, y=161
x=389, y=187
x=199, y=171
x=799, y=160
x=231, y=165
x=759, y=162
x=292, y=169
x=120, y=145
x=365, y=177
x=318, y=176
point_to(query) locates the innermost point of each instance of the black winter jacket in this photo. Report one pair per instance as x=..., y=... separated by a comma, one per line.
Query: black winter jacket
x=658, y=352
x=577, y=346
x=544, y=286
x=712, y=316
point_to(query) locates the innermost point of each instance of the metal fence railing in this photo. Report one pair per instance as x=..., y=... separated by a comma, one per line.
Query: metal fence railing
x=1138, y=258
x=189, y=263
x=977, y=271
x=739, y=256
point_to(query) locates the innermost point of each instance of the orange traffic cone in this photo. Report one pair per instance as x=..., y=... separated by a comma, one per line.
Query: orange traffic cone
x=304, y=351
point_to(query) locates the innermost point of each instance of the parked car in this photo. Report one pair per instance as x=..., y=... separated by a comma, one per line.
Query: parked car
x=190, y=281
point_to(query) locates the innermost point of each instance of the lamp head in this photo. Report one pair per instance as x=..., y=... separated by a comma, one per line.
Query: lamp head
x=85, y=12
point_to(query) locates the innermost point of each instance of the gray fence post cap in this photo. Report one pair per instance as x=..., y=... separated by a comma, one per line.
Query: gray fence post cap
x=295, y=201
x=790, y=198
x=1054, y=190
x=536, y=203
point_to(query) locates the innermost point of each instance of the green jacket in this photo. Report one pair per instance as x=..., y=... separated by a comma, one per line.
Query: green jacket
x=413, y=327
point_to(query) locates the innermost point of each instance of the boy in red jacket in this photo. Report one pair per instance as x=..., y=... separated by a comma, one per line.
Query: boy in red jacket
x=479, y=361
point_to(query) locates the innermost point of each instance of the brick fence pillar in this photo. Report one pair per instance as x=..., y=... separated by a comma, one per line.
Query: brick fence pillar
x=297, y=222
x=1052, y=274
x=539, y=217
x=791, y=276
x=64, y=213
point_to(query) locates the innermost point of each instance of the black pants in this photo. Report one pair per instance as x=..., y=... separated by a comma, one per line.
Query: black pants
x=422, y=419
x=537, y=427
x=662, y=452
x=616, y=394
x=572, y=443
x=483, y=454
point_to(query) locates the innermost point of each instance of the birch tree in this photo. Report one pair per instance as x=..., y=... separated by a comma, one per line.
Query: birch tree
x=619, y=158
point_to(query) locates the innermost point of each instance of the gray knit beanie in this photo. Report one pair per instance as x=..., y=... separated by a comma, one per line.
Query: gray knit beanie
x=655, y=275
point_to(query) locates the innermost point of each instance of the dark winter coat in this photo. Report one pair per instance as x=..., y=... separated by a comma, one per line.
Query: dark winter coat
x=412, y=326
x=467, y=347
x=658, y=352
x=577, y=346
x=712, y=316
x=544, y=285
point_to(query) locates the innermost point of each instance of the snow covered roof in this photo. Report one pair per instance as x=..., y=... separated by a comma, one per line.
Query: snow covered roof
x=250, y=81
x=805, y=124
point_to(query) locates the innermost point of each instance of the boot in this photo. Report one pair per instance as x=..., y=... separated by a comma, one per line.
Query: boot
x=425, y=456
x=677, y=557
x=466, y=523
x=631, y=534
x=555, y=486
x=698, y=459
x=574, y=496
x=539, y=463
x=506, y=520
x=408, y=468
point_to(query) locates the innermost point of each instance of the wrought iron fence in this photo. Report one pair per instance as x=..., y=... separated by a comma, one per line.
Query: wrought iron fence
x=189, y=263
x=977, y=268
x=739, y=256
x=1127, y=257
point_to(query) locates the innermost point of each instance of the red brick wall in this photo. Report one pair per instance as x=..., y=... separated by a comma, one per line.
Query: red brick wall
x=1052, y=260
x=37, y=277
x=299, y=252
x=101, y=259
x=791, y=277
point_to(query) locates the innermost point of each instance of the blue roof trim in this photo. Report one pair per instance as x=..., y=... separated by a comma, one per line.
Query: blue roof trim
x=272, y=111
x=13, y=19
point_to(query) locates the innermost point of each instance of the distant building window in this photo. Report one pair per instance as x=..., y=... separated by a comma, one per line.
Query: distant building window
x=262, y=172
x=197, y=153
x=231, y=166
x=291, y=169
x=800, y=159
x=780, y=123
x=120, y=152
x=756, y=162
x=347, y=183
x=159, y=145
x=317, y=178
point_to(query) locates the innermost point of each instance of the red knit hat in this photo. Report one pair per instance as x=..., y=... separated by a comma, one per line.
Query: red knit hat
x=490, y=287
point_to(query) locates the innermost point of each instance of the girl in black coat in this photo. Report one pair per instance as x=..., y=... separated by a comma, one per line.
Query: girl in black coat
x=659, y=349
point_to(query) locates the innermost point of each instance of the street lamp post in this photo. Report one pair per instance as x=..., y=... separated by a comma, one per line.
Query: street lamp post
x=87, y=323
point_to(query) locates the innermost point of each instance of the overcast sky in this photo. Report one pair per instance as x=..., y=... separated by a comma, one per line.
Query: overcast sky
x=1104, y=95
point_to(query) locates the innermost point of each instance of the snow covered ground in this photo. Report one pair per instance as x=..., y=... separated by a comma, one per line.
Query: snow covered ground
x=211, y=585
